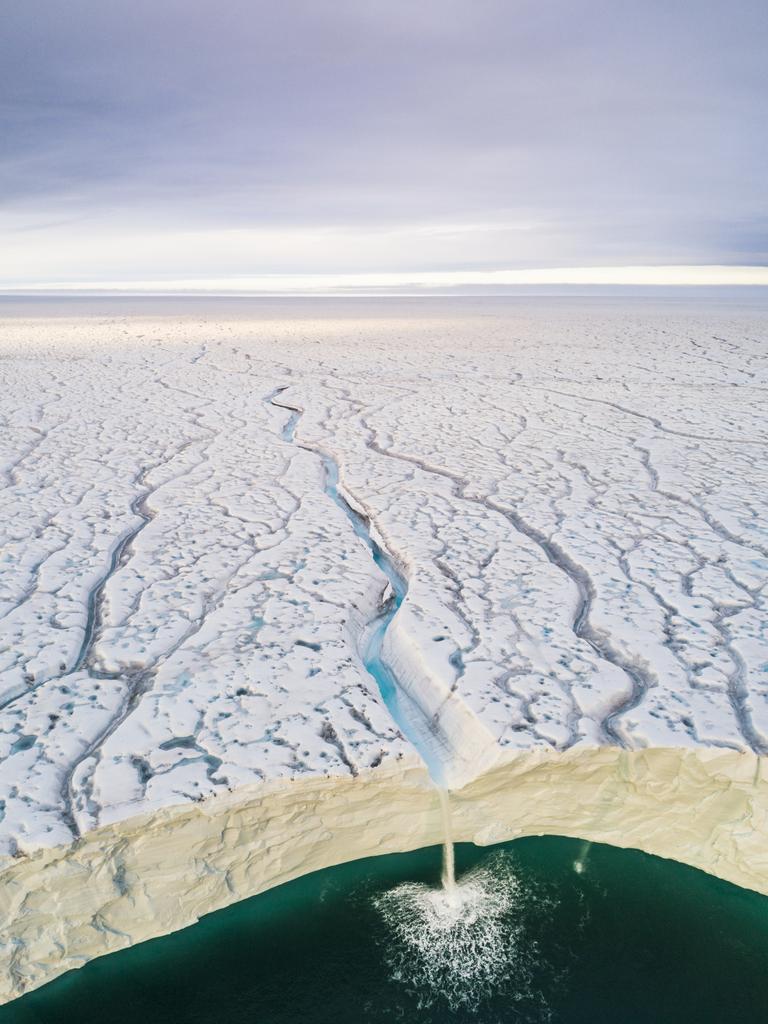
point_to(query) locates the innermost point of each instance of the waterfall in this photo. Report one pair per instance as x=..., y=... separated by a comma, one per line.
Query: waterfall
x=412, y=721
x=580, y=864
x=455, y=942
x=449, y=866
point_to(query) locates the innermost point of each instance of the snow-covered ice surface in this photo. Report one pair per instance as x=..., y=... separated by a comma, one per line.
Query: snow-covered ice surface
x=575, y=490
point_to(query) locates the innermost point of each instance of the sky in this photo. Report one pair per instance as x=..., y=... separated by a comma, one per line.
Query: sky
x=183, y=143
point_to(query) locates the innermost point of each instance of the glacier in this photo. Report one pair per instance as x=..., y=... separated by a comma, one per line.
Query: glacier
x=573, y=494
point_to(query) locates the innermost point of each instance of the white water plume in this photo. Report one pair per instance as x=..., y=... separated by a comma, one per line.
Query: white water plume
x=459, y=944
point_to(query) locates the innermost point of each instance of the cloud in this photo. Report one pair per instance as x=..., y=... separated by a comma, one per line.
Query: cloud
x=623, y=132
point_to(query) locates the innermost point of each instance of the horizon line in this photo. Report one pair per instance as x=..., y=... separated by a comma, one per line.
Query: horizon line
x=406, y=283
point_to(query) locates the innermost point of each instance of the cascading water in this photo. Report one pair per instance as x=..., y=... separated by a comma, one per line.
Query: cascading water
x=580, y=864
x=449, y=861
x=455, y=942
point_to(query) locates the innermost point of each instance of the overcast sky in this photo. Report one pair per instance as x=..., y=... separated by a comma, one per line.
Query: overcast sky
x=157, y=139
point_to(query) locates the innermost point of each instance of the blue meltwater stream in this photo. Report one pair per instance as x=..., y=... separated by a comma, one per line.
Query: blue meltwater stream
x=411, y=719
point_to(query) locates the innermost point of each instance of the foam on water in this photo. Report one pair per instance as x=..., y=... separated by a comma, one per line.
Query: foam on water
x=463, y=944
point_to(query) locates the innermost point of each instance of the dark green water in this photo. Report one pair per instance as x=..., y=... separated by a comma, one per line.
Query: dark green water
x=632, y=939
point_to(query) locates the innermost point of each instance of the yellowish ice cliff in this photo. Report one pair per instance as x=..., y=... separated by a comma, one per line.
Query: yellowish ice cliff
x=153, y=874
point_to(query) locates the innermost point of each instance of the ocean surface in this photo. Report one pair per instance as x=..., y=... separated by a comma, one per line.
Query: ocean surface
x=567, y=933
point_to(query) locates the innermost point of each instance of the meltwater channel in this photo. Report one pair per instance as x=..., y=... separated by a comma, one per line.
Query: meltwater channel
x=412, y=721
